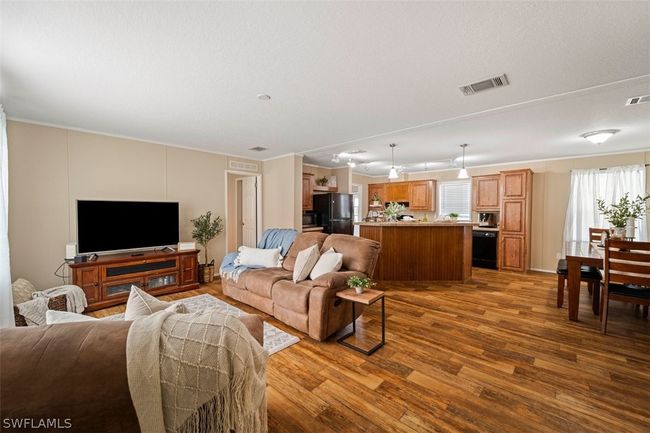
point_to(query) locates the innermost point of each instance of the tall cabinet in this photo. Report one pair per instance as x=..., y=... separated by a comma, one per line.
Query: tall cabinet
x=516, y=211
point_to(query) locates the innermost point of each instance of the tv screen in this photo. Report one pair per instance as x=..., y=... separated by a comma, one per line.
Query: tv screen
x=124, y=225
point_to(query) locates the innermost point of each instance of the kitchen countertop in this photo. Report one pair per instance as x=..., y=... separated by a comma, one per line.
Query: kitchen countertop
x=416, y=224
x=487, y=229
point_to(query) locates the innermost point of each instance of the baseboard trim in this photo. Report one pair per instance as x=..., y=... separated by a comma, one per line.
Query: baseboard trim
x=548, y=271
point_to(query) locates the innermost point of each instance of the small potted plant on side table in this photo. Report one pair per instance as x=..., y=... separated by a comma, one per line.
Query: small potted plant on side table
x=206, y=229
x=623, y=214
x=359, y=284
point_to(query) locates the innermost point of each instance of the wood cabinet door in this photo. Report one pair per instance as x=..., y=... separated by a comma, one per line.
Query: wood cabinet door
x=376, y=188
x=88, y=279
x=515, y=184
x=513, y=217
x=398, y=191
x=486, y=193
x=307, y=192
x=513, y=253
x=421, y=195
x=188, y=269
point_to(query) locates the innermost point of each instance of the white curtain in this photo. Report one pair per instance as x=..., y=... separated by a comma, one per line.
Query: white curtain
x=610, y=184
x=6, y=299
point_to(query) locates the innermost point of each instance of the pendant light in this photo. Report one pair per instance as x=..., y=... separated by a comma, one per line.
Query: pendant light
x=462, y=174
x=392, y=174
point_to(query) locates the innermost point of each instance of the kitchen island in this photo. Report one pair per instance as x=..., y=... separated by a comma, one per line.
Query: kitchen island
x=416, y=251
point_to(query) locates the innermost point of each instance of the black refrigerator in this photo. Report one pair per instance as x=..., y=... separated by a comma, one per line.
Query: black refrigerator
x=334, y=212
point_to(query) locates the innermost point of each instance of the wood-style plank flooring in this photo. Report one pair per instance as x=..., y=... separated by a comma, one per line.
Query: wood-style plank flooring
x=494, y=355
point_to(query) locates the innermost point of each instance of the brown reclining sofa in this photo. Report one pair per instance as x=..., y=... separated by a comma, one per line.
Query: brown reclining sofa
x=73, y=375
x=309, y=306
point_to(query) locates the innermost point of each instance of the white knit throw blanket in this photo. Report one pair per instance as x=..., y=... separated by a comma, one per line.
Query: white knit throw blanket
x=199, y=372
x=75, y=296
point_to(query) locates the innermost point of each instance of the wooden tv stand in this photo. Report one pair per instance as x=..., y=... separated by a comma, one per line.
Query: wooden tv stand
x=107, y=281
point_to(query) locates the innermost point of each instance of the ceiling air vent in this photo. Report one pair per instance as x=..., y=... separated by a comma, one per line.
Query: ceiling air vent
x=258, y=149
x=240, y=165
x=638, y=100
x=479, y=86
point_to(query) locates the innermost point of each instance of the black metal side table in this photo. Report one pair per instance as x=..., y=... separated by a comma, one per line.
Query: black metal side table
x=368, y=297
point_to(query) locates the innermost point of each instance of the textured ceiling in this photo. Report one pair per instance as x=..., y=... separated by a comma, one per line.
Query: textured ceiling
x=338, y=72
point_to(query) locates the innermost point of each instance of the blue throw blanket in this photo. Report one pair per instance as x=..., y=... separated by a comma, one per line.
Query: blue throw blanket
x=271, y=238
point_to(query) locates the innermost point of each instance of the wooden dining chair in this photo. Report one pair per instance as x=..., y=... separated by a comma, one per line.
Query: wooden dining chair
x=595, y=234
x=627, y=276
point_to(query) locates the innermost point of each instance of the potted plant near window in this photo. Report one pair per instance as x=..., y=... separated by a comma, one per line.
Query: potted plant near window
x=622, y=215
x=453, y=216
x=359, y=284
x=206, y=229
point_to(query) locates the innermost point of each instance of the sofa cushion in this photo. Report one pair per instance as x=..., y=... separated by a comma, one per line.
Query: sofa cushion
x=291, y=296
x=53, y=317
x=359, y=254
x=329, y=261
x=260, y=281
x=140, y=303
x=305, y=262
x=302, y=241
x=268, y=258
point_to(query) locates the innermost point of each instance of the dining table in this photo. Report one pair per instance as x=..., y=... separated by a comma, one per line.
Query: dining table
x=578, y=254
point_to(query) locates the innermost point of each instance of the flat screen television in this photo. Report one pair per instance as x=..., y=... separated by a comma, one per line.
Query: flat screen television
x=125, y=225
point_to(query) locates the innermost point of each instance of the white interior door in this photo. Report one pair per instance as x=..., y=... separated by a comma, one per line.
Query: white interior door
x=249, y=211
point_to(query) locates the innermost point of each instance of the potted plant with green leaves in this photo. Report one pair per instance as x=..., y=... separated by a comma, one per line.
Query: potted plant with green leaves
x=622, y=215
x=453, y=216
x=393, y=210
x=359, y=284
x=206, y=229
x=322, y=181
x=375, y=200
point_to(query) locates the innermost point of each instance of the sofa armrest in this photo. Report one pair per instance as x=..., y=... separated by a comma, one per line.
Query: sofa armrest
x=322, y=303
x=333, y=280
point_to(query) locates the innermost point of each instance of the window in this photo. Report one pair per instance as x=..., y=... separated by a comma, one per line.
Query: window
x=610, y=184
x=454, y=196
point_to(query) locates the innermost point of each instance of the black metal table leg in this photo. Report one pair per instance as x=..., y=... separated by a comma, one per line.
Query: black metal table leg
x=354, y=330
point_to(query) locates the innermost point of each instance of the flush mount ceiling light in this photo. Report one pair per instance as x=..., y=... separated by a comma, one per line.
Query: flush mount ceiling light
x=351, y=163
x=392, y=174
x=462, y=174
x=264, y=97
x=599, y=137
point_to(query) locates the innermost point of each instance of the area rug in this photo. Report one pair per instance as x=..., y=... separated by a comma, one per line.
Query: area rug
x=274, y=339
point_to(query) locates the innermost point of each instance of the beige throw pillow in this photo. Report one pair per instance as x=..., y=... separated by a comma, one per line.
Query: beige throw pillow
x=329, y=261
x=305, y=262
x=22, y=291
x=52, y=317
x=141, y=303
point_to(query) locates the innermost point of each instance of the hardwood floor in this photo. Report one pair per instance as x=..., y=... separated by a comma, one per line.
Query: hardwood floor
x=494, y=355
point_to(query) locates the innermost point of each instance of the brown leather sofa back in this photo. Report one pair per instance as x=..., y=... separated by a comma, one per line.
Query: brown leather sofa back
x=302, y=241
x=72, y=372
x=359, y=254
